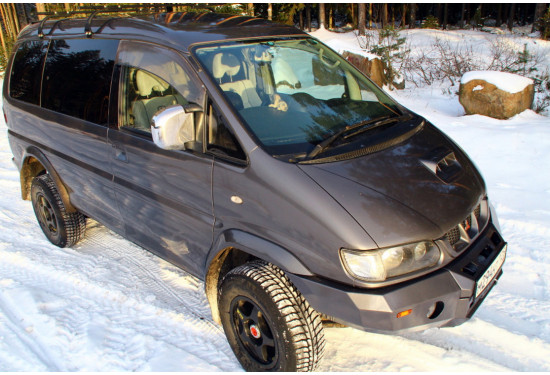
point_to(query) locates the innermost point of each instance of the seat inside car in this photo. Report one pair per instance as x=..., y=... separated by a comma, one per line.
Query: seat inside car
x=154, y=94
x=226, y=68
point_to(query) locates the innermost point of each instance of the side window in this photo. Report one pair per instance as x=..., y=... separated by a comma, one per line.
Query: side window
x=26, y=72
x=77, y=77
x=153, y=78
x=144, y=94
x=220, y=139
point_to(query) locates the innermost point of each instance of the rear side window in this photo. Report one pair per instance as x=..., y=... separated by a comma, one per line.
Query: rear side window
x=77, y=78
x=26, y=72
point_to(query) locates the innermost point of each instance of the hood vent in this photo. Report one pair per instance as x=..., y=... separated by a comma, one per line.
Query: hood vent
x=443, y=164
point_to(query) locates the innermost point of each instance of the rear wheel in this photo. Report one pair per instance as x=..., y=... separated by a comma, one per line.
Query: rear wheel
x=61, y=228
x=269, y=324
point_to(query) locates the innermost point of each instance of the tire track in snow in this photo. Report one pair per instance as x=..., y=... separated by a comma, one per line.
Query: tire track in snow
x=124, y=317
x=33, y=342
x=148, y=268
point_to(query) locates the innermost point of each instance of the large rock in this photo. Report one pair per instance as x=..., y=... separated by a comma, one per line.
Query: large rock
x=495, y=94
x=373, y=68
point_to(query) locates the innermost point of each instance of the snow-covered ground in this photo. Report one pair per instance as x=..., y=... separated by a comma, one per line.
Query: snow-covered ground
x=108, y=305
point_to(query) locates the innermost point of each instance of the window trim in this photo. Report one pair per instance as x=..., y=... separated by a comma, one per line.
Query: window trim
x=210, y=103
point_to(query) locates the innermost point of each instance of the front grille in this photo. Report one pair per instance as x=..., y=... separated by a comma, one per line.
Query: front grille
x=453, y=235
x=465, y=232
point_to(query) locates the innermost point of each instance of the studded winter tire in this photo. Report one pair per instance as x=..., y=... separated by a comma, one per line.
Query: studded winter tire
x=61, y=228
x=269, y=324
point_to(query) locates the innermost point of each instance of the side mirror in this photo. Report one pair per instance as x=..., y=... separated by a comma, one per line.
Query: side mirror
x=174, y=126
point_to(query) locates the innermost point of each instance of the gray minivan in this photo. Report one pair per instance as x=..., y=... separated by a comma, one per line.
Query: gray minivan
x=256, y=158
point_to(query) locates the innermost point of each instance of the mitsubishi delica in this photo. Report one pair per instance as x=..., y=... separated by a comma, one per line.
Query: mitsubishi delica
x=259, y=160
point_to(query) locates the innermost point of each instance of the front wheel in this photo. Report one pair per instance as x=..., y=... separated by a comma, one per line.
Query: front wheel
x=268, y=323
x=61, y=228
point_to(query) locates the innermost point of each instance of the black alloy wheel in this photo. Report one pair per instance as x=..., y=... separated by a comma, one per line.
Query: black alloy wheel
x=253, y=330
x=61, y=228
x=268, y=323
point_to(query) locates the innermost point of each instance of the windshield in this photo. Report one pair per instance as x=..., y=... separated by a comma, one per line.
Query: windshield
x=293, y=93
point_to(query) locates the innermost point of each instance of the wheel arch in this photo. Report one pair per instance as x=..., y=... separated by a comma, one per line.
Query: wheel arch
x=34, y=164
x=234, y=248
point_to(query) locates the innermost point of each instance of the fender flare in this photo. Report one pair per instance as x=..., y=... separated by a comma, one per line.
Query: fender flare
x=252, y=245
x=25, y=173
x=258, y=247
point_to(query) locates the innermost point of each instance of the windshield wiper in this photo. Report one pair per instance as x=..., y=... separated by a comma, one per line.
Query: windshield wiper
x=361, y=126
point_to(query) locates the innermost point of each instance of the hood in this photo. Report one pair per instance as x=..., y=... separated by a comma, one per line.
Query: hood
x=416, y=190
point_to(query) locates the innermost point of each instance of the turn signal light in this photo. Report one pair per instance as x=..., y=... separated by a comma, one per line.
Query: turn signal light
x=404, y=313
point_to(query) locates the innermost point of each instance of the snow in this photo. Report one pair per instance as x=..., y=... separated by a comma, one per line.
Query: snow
x=109, y=305
x=343, y=42
x=508, y=82
x=340, y=47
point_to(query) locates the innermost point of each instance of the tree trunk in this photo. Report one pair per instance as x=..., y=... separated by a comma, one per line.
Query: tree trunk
x=412, y=16
x=370, y=15
x=308, y=17
x=539, y=11
x=250, y=9
x=321, y=15
x=384, y=15
x=301, y=19
x=361, y=18
x=6, y=25
x=511, y=16
x=40, y=8
x=330, y=16
x=15, y=19
x=25, y=14
x=499, y=15
x=403, y=15
x=445, y=15
x=270, y=11
x=7, y=22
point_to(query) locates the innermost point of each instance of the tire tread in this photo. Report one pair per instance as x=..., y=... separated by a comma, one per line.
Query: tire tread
x=302, y=320
x=74, y=222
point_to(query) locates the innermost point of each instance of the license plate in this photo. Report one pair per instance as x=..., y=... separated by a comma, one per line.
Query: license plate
x=491, y=272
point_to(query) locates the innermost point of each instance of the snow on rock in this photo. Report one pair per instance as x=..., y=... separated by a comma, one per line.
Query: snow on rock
x=508, y=82
x=482, y=97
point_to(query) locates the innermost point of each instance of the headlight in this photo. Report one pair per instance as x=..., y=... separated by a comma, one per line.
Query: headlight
x=379, y=265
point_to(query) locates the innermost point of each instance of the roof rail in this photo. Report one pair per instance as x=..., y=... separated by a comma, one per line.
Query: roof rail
x=95, y=11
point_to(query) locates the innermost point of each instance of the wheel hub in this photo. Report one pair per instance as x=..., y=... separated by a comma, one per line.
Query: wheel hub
x=47, y=215
x=253, y=331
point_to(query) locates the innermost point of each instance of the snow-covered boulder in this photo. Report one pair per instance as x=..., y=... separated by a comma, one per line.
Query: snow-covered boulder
x=369, y=64
x=495, y=94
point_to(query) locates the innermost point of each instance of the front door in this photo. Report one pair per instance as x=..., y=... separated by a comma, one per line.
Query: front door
x=164, y=196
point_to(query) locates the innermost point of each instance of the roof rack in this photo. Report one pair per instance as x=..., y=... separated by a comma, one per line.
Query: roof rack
x=95, y=10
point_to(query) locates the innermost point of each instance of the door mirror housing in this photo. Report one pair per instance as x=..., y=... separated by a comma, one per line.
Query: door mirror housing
x=174, y=126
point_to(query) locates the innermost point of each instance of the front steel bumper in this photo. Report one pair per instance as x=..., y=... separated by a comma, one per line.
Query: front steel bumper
x=443, y=298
